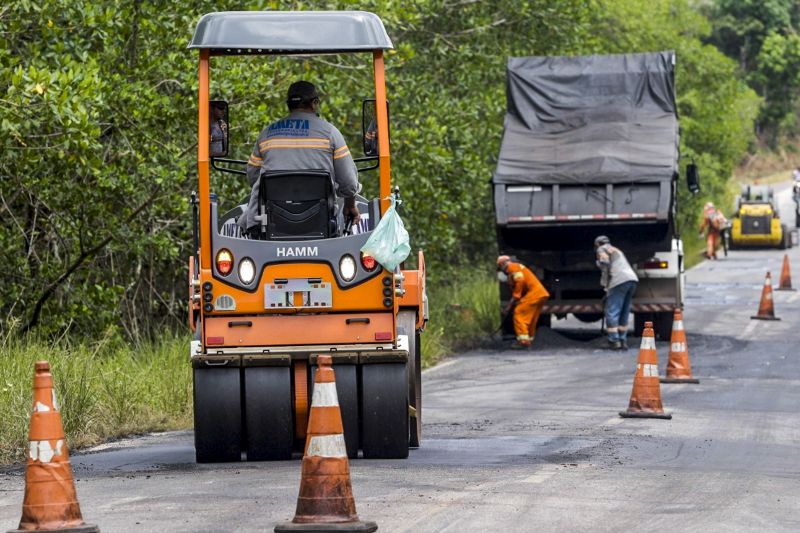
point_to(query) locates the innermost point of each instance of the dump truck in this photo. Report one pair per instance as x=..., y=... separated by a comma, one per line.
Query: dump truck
x=590, y=147
x=264, y=307
x=756, y=222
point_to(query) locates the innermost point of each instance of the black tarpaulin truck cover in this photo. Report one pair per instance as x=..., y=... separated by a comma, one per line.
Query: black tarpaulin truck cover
x=590, y=119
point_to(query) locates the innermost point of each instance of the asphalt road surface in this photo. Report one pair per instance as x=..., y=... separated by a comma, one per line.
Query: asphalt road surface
x=529, y=441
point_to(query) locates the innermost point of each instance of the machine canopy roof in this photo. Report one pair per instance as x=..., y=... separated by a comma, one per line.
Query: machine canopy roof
x=590, y=119
x=272, y=32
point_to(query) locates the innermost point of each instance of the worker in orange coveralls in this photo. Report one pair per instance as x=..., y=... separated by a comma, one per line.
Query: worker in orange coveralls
x=528, y=296
x=713, y=224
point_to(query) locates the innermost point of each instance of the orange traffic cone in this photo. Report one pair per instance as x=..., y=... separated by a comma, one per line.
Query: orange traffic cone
x=786, y=275
x=325, y=502
x=766, y=309
x=678, y=368
x=50, y=502
x=646, y=395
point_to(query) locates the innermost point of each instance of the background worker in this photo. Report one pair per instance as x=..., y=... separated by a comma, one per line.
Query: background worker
x=619, y=281
x=713, y=223
x=528, y=296
x=302, y=141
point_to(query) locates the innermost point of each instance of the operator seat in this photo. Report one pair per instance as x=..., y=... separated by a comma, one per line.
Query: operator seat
x=296, y=205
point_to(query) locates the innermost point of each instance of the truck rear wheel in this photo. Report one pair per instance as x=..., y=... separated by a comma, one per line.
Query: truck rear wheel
x=662, y=324
x=384, y=410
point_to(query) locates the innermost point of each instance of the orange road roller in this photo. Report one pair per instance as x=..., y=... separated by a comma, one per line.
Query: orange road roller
x=264, y=307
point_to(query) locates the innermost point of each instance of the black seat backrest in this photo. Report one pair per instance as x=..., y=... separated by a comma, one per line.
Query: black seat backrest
x=298, y=204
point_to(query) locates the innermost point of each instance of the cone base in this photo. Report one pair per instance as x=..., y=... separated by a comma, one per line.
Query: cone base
x=85, y=528
x=680, y=380
x=786, y=289
x=362, y=527
x=644, y=414
x=764, y=318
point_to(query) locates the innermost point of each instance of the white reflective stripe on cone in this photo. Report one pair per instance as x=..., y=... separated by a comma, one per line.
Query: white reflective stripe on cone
x=324, y=395
x=648, y=343
x=677, y=325
x=42, y=450
x=327, y=446
x=649, y=370
x=678, y=347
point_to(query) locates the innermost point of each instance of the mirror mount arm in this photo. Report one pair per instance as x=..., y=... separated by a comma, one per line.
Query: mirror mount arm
x=372, y=166
x=214, y=161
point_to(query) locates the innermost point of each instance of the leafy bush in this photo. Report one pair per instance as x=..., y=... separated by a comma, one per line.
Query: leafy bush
x=464, y=314
x=105, y=390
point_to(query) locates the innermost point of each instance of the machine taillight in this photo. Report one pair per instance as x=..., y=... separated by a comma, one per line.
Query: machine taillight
x=383, y=335
x=656, y=264
x=368, y=262
x=224, y=262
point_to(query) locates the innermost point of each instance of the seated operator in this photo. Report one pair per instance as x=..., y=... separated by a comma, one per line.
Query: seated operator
x=302, y=141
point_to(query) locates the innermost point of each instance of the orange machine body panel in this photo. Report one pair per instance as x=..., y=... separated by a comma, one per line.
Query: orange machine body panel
x=414, y=285
x=366, y=296
x=288, y=330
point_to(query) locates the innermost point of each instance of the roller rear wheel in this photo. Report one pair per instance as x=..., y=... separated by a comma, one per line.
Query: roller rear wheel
x=384, y=410
x=406, y=325
x=217, y=414
x=268, y=413
x=347, y=393
x=415, y=423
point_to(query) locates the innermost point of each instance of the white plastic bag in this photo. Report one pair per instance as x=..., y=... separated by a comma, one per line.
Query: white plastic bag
x=389, y=243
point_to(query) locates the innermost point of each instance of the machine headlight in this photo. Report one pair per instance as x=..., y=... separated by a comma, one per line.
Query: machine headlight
x=347, y=267
x=247, y=271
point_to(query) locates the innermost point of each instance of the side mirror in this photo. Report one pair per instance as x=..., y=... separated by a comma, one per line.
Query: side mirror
x=693, y=178
x=218, y=128
x=369, y=128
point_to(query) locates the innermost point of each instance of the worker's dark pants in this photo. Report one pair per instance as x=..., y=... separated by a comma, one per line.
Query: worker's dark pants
x=618, y=309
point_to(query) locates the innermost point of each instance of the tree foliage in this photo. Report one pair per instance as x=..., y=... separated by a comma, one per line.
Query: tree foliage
x=99, y=122
x=762, y=36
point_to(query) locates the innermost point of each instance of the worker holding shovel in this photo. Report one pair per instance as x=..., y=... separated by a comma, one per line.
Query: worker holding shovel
x=619, y=281
x=528, y=296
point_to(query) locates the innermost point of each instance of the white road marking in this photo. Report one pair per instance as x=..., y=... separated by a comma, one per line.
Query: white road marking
x=541, y=476
x=440, y=366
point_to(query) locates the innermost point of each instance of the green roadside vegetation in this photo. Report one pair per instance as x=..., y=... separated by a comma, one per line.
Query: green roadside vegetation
x=463, y=314
x=97, y=138
x=106, y=389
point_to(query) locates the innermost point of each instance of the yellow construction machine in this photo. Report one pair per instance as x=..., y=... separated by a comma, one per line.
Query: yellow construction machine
x=756, y=222
x=264, y=309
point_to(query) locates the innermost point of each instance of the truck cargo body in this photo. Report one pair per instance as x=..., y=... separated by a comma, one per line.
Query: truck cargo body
x=591, y=148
